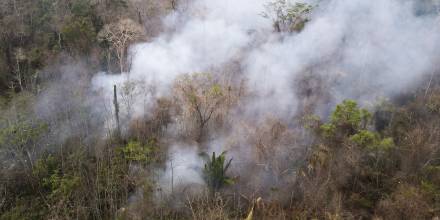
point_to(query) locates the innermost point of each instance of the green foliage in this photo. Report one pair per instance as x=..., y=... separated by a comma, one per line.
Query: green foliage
x=216, y=90
x=328, y=129
x=135, y=151
x=430, y=188
x=371, y=140
x=20, y=135
x=430, y=181
x=346, y=120
x=215, y=171
x=348, y=113
x=61, y=185
x=348, y=145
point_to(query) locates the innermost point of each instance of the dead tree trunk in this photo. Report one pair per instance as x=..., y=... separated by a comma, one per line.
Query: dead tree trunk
x=116, y=104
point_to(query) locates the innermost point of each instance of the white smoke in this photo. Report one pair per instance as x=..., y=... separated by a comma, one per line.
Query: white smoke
x=182, y=169
x=369, y=48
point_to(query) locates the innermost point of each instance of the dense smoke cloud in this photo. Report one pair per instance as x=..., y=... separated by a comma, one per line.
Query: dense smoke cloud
x=378, y=46
x=359, y=49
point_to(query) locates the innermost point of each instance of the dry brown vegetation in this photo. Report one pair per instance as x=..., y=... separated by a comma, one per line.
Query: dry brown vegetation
x=60, y=160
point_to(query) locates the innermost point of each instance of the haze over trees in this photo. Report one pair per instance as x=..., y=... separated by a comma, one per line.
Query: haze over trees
x=198, y=109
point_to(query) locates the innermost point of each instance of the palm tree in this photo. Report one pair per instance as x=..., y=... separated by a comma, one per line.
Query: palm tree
x=215, y=170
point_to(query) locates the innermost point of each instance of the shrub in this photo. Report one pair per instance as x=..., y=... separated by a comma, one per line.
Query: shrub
x=215, y=172
x=372, y=141
x=135, y=151
x=347, y=119
x=79, y=33
x=407, y=202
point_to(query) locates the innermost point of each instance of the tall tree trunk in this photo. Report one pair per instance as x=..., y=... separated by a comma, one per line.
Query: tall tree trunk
x=116, y=104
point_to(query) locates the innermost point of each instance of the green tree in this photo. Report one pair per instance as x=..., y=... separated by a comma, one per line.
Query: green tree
x=346, y=120
x=215, y=170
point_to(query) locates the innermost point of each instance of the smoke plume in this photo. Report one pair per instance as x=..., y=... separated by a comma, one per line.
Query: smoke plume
x=359, y=49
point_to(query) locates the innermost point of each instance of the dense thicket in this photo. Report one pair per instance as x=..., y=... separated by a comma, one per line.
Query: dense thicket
x=38, y=34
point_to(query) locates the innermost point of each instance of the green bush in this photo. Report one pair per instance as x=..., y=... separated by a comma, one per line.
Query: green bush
x=372, y=141
x=215, y=172
x=135, y=151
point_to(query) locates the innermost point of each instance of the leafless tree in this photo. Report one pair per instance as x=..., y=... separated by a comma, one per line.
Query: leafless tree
x=120, y=35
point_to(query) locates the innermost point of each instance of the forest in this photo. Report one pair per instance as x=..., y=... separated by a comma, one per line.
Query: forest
x=212, y=110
